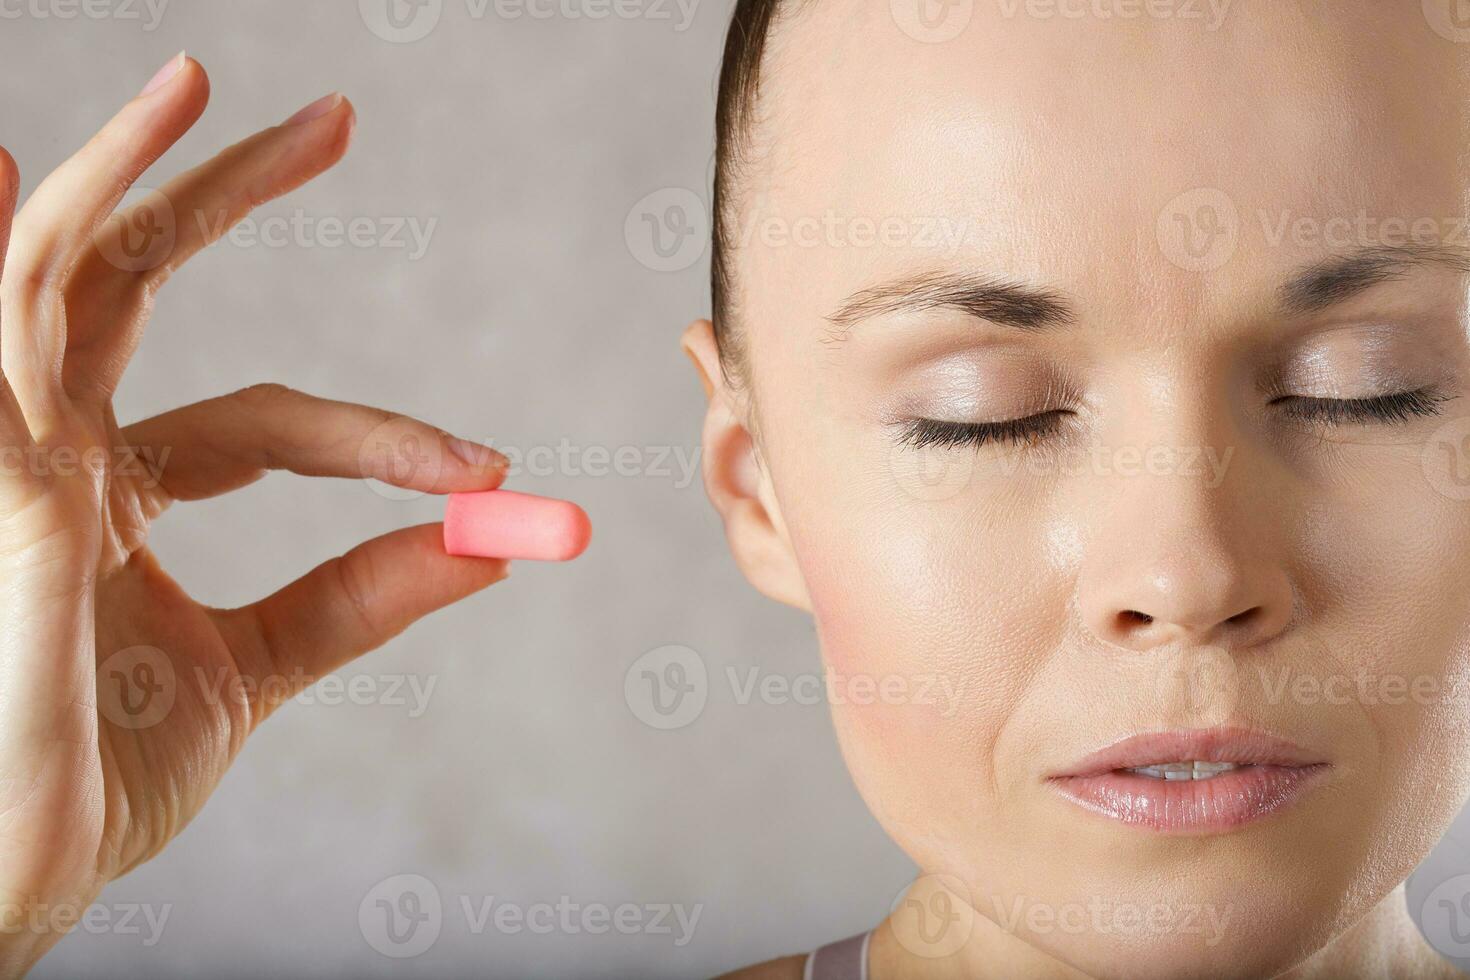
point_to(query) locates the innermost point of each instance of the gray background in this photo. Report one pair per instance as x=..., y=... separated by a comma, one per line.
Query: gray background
x=533, y=317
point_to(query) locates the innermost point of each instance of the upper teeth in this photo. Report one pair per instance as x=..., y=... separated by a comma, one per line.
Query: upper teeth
x=1185, y=770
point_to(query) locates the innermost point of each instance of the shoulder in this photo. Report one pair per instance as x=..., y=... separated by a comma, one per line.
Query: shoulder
x=785, y=968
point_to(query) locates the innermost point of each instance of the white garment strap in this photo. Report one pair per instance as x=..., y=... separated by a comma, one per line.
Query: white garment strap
x=846, y=959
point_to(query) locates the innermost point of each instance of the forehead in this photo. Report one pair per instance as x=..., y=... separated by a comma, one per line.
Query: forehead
x=1099, y=154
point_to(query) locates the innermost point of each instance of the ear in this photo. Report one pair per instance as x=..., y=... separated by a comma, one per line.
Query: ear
x=738, y=482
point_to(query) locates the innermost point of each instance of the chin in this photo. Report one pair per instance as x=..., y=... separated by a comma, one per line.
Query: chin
x=1227, y=906
x=1244, y=929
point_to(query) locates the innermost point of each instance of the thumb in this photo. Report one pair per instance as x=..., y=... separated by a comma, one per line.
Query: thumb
x=349, y=605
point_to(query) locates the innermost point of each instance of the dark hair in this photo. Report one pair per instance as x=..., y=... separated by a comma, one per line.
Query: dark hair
x=745, y=43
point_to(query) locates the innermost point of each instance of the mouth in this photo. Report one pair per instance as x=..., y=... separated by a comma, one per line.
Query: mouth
x=1200, y=781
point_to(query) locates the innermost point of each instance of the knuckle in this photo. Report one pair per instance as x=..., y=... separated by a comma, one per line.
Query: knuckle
x=30, y=280
x=266, y=394
x=355, y=577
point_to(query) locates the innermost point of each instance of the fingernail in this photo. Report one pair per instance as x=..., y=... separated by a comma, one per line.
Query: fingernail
x=479, y=456
x=165, y=75
x=316, y=110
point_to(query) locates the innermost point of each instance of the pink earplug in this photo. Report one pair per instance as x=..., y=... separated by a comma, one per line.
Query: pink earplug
x=506, y=524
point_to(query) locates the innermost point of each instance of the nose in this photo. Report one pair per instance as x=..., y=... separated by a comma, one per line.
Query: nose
x=1178, y=562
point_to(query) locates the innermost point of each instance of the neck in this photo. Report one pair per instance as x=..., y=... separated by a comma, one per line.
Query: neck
x=1383, y=942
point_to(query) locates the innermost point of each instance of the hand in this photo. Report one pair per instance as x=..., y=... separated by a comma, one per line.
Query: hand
x=122, y=700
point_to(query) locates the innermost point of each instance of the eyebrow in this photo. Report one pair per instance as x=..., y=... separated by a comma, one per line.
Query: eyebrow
x=1006, y=303
x=1339, y=278
x=1317, y=287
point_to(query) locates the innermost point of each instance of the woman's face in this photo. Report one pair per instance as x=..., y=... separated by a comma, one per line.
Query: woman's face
x=1218, y=267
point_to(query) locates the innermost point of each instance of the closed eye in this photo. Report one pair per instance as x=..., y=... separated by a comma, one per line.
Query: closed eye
x=922, y=433
x=1394, y=408
x=1397, y=407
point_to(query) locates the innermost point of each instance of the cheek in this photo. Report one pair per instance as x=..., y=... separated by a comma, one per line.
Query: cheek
x=1390, y=571
x=1386, y=577
x=922, y=585
x=934, y=617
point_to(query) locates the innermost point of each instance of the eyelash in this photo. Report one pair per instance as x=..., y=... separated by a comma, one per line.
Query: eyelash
x=1391, y=409
x=922, y=433
x=1395, y=408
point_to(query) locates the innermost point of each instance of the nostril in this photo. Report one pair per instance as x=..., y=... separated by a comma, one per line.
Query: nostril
x=1132, y=617
x=1242, y=618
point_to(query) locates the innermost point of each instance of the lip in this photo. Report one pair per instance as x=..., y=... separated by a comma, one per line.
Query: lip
x=1274, y=772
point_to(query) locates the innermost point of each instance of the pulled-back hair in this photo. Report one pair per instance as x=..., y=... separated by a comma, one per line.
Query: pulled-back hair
x=735, y=108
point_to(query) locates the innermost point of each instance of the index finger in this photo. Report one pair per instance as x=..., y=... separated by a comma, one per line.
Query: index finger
x=215, y=446
x=13, y=430
x=9, y=190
